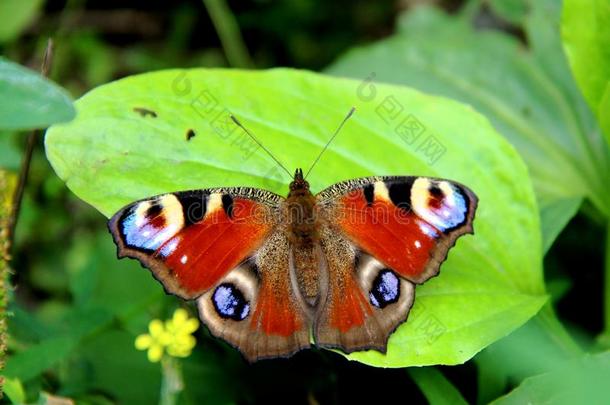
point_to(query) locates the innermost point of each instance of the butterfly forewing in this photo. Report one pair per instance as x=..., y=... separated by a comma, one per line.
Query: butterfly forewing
x=191, y=239
x=384, y=235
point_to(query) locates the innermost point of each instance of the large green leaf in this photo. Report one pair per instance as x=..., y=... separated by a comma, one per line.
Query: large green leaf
x=28, y=100
x=528, y=95
x=604, y=117
x=130, y=141
x=585, y=29
x=583, y=381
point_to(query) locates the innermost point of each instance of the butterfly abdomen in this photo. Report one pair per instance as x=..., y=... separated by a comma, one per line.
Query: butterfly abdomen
x=302, y=231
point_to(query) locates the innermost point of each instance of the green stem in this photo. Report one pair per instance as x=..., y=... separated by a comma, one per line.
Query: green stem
x=228, y=32
x=547, y=319
x=437, y=389
x=171, y=381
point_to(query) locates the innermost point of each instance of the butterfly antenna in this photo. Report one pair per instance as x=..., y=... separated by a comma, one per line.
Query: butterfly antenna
x=259, y=144
x=349, y=114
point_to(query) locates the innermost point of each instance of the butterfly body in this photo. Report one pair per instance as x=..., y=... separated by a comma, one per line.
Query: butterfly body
x=271, y=273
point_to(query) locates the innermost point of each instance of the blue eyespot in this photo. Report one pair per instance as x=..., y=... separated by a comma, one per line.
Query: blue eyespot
x=386, y=289
x=447, y=217
x=230, y=303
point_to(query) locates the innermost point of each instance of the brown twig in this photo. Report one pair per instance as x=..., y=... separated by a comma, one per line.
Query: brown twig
x=27, y=155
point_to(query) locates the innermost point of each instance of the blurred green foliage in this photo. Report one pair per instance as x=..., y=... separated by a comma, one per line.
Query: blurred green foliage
x=75, y=309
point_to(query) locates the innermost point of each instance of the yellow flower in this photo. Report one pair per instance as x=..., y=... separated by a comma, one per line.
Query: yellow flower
x=173, y=336
x=180, y=328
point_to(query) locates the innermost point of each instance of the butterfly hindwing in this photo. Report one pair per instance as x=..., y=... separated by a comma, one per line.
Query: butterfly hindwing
x=190, y=240
x=365, y=299
x=384, y=235
x=255, y=308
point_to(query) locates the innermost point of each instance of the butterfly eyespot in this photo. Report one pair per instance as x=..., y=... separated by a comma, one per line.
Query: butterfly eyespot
x=435, y=200
x=153, y=211
x=440, y=203
x=385, y=289
x=230, y=303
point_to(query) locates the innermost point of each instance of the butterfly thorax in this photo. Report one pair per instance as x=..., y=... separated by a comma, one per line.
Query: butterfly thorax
x=302, y=230
x=300, y=215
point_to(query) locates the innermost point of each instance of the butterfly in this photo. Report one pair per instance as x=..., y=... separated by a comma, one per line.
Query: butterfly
x=270, y=273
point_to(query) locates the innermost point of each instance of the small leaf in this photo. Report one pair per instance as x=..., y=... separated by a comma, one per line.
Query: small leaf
x=139, y=127
x=39, y=357
x=29, y=100
x=13, y=389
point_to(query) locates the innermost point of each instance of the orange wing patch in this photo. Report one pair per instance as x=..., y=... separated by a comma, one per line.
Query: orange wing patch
x=190, y=240
x=393, y=235
x=349, y=307
x=202, y=253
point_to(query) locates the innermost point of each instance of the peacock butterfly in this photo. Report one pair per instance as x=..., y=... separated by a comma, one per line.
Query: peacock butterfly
x=269, y=272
